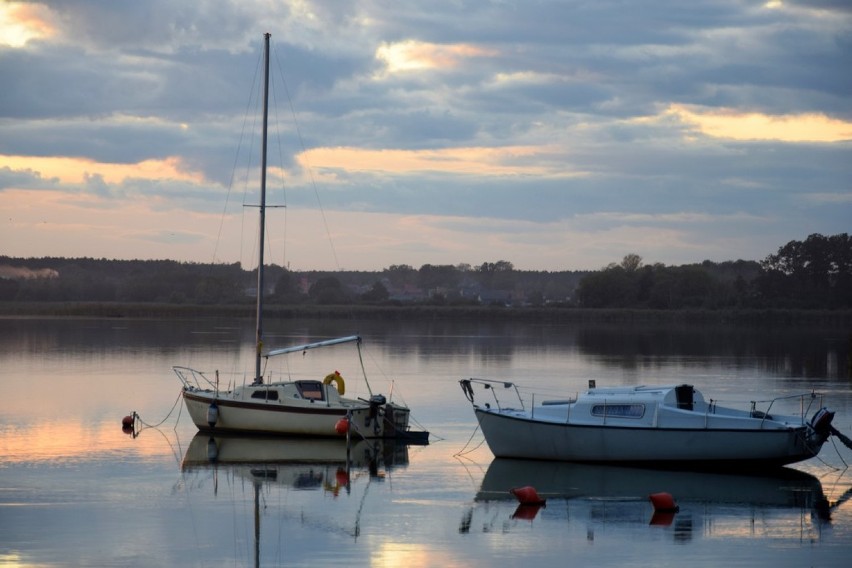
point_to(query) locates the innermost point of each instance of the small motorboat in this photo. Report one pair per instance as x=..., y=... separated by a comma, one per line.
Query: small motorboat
x=669, y=425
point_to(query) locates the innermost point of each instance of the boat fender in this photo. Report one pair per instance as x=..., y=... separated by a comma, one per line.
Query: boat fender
x=821, y=422
x=663, y=503
x=342, y=426
x=337, y=379
x=527, y=495
x=212, y=414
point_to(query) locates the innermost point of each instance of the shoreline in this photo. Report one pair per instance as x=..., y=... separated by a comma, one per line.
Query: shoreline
x=783, y=317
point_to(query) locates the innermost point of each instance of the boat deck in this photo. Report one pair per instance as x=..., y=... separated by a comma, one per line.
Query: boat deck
x=671, y=406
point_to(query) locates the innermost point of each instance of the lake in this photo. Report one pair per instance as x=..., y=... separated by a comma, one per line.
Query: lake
x=75, y=490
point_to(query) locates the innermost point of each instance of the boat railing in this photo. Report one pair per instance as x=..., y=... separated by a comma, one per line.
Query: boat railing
x=491, y=385
x=193, y=378
x=806, y=402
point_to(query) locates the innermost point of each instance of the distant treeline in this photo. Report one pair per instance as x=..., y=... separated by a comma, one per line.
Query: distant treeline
x=815, y=274
x=812, y=274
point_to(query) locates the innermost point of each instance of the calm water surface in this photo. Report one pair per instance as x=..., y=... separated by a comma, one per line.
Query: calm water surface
x=77, y=491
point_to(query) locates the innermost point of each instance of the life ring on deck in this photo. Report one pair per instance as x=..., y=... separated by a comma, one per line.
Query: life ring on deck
x=337, y=380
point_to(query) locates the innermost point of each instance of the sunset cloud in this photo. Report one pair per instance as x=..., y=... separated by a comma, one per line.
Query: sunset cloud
x=412, y=55
x=501, y=161
x=738, y=125
x=78, y=170
x=552, y=135
x=21, y=22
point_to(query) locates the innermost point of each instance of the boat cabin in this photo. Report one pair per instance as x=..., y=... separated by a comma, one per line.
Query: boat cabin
x=307, y=390
x=628, y=406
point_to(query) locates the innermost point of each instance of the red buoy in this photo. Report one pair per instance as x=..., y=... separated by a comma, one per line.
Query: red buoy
x=527, y=495
x=128, y=424
x=342, y=426
x=527, y=512
x=662, y=519
x=663, y=503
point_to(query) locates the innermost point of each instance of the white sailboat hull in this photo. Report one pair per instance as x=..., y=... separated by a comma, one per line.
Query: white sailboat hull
x=510, y=436
x=669, y=424
x=294, y=418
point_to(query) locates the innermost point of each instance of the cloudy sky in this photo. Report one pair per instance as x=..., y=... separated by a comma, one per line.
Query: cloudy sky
x=556, y=135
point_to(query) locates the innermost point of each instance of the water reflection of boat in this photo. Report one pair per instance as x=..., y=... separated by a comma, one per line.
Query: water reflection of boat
x=607, y=496
x=295, y=455
x=300, y=464
x=781, y=487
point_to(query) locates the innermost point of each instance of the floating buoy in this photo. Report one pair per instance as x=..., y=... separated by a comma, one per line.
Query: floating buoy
x=128, y=424
x=527, y=512
x=212, y=414
x=662, y=519
x=527, y=495
x=342, y=426
x=663, y=503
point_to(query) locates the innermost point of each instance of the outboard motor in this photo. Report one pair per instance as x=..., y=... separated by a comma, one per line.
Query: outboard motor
x=820, y=425
x=376, y=401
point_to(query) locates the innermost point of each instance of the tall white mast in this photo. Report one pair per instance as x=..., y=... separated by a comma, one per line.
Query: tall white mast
x=262, y=224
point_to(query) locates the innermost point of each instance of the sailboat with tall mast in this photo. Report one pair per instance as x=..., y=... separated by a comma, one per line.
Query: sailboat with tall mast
x=304, y=407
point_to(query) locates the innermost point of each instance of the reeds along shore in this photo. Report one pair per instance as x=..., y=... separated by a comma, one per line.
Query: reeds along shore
x=828, y=318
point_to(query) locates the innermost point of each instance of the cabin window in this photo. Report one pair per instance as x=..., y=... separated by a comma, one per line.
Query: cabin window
x=619, y=410
x=265, y=394
x=311, y=390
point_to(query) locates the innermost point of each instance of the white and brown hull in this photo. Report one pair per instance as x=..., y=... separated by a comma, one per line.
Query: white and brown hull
x=296, y=419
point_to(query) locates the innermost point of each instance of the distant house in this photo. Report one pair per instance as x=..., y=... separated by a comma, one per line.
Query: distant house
x=470, y=289
x=495, y=297
x=251, y=291
x=406, y=293
x=358, y=289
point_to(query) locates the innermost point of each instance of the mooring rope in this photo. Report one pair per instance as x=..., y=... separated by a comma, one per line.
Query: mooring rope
x=464, y=451
x=160, y=423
